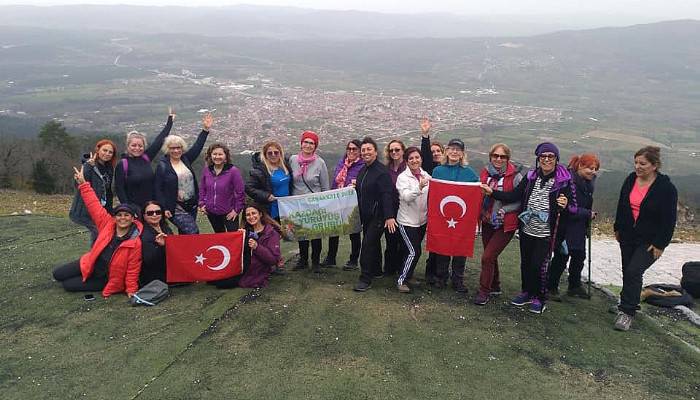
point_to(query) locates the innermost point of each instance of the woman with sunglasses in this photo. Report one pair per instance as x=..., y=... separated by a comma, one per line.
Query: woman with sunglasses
x=393, y=153
x=113, y=263
x=346, y=172
x=175, y=186
x=155, y=230
x=455, y=167
x=546, y=191
x=498, y=221
x=571, y=238
x=222, y=192
x=309, y=175
x=99, y=173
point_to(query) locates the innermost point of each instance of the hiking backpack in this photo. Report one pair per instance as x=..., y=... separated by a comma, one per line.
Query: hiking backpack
x=691, y=278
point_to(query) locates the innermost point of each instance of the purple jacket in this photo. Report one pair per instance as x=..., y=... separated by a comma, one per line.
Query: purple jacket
x=222, y=193
x=353, y=171
x=262, y=260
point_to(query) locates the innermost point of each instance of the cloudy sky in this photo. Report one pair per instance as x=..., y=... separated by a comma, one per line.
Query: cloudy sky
x=652, y=9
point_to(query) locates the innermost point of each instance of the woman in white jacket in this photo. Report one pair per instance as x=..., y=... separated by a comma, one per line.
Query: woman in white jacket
x=412, y=185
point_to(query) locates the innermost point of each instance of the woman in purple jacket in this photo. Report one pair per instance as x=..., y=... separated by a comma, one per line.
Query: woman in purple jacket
x=345, y=174
x=222, y=192
x=263, y=241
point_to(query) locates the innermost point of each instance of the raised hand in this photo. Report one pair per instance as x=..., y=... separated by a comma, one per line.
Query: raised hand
x=78, y=175
x=425, y=126
x=171, y=114
x=207, y=121
x=92, y=159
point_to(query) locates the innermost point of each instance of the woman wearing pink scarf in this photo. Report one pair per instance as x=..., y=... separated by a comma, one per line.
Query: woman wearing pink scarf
x=310, y=175
x=346, y=172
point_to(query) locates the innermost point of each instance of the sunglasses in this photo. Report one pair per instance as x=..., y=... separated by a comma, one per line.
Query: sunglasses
x=499, y=156
x=152, y=213
x=547, y=157
x=352, y=149
x=395, y=150
x=273, y=153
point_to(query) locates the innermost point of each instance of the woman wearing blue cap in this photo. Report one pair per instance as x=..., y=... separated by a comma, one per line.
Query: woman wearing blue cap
x=544, y=193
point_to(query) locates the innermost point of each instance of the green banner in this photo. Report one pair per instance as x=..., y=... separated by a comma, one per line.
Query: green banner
x=317, y=215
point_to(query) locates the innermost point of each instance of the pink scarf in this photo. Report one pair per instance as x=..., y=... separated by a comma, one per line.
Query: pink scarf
x=343, y=173
x=304, y=162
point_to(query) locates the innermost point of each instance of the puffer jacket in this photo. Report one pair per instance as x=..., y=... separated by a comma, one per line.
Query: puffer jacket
x=125, y=265
x=258, y=186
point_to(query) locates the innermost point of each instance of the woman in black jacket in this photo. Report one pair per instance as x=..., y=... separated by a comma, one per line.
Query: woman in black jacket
x=155, y=230
x=644, y=225
x=375, y=197
x=133, y=176
x=175, y=185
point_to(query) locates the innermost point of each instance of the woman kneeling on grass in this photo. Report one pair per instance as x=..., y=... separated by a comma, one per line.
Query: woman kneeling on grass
x=263, y=235
x=113, y=263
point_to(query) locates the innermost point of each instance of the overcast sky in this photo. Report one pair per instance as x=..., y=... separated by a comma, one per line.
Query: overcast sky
x=656, y=9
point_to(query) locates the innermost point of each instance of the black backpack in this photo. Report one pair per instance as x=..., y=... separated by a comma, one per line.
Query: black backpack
x=691, y=278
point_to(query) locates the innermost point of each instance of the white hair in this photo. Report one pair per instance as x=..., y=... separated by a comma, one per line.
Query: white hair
x=174, y=139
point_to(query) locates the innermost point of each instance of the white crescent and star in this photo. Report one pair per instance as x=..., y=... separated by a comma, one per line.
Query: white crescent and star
x=199, y=259
x=451, y=223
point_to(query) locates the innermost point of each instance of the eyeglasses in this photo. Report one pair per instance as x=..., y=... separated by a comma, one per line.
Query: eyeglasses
x=309, y=142
x=352, y=149
x=499, y=156
x=175, y=148
x=395, y=150
x=273, y=153
x=547, y=156
x=152, y=213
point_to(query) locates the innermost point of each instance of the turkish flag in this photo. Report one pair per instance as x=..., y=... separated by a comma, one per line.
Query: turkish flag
x=453, y=213
x=205, y=257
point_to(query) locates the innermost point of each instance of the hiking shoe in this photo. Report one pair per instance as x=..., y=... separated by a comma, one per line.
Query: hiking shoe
x=578, y=291
x=537, y=306
x=300, y=265
x=481, y=299
x=554, y=295
x=521, y=299
x=623, y=322
x=361, y=286
x=328, y=263
x=403, y=288
x=495, y=292
x=350, y=266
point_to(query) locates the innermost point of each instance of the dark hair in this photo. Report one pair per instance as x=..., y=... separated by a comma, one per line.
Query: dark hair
x=215, y=146
x=409, y=151
x=369, y=140
x=163, y=221
x=265, y=218
x=652, y=154
x=387, y=155
x=356, y=142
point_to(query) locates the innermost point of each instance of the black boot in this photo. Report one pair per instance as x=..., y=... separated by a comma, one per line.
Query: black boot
x=328, y=262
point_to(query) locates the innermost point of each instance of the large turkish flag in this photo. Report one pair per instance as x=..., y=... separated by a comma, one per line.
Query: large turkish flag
x=453, y=213
x=205, y=257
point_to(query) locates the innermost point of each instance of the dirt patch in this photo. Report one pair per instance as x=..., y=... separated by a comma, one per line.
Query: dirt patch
x=624, y=137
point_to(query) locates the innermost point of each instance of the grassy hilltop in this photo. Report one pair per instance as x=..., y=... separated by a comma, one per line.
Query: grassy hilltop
x=311, y=336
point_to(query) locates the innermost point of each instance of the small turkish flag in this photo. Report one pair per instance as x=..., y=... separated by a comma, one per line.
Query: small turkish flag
x=205, y=257
x=453, y=213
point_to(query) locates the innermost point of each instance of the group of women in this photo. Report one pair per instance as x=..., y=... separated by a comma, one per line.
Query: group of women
x=550, y=206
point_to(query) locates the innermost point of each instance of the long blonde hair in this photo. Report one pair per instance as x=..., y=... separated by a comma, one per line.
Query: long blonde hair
x=263, y=156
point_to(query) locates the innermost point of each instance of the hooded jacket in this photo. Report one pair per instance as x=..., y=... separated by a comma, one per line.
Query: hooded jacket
x=657, y=213
x=262, y=260
x=259, y=185
x=222, y=193
x=125, y=264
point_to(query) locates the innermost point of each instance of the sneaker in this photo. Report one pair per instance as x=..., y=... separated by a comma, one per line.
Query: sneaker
x=378, y=275
x=459, y=288
x=496, y=292
x=521, y=299
x=361, y=286
x=481, y=299
x=537, y=306
x=623, y=322
x=403, y=288
x=350, y=266
x=554, y=295
x=328, y=263
x=578, y=291
x=300, y=265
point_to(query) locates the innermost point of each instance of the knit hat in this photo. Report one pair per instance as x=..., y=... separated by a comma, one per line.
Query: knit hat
x=547, y=147
x=456, y=143
x=309, y=135
x=124, y=207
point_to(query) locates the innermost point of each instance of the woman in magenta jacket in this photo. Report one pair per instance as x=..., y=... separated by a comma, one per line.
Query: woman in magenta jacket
x=222, y=191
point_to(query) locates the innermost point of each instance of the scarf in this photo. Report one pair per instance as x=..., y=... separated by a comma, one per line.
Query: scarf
x=489, y=213
x=304, y=162
x=343, y=173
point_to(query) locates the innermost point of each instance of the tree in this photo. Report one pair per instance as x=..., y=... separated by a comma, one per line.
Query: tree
x=42, y=180
x=53, y=136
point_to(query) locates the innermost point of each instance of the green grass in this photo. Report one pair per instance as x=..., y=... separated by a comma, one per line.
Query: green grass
x=311, y=336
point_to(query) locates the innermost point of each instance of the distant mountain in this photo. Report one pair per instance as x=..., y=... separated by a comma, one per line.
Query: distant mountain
x=293, y=23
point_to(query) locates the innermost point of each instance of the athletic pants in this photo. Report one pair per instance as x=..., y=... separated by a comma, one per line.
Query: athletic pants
x=559, y=265
x=392, y=253
x=72, y=280
x=495, y=241
x=412, y=239
x=533, y=270
x=635, y=260
x=219, y=223
x=371, y=250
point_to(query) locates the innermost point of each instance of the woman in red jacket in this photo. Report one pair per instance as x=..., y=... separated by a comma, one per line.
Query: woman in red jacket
x=113, y=263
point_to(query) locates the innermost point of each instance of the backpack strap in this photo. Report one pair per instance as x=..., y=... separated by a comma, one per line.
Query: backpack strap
x=125, y=164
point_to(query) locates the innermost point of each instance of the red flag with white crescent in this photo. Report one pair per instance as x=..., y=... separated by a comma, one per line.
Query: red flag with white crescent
x=453, y=213
x=204, y=257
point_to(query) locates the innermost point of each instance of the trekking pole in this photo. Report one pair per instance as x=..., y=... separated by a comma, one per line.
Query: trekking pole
x=590, y=224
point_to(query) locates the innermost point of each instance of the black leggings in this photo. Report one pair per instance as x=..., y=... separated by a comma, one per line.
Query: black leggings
x=219, y=223
x=72, y=280
x=315, y=251
x=636, y=259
